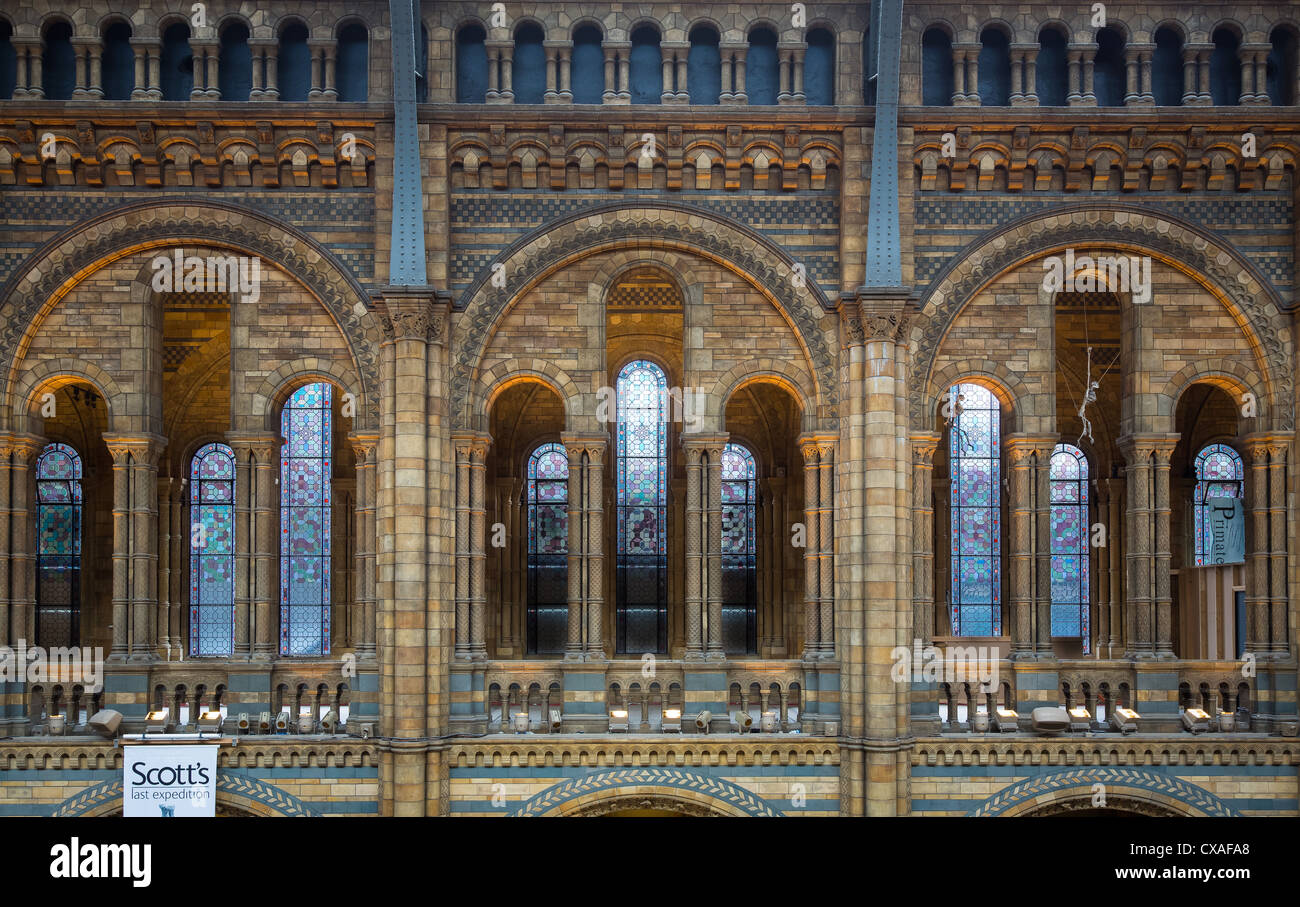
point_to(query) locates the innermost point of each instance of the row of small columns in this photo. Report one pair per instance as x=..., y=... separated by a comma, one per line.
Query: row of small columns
x=148, y=63
x=559, y=88
x=150, y=548
x=1145, y=628
x=1138, y=75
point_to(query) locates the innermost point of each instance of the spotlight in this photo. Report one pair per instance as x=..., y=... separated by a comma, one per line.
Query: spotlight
x=209, y=721
x=1124, y=720
x=617, y=720
x=768, y=723
x=741, y=722
x=1005, y=720
x=105, y=722
x=519, y=721
x=264, y=723
x=1196, y=720
x=156, y=721
x=329, y=724
x=244, y=723
x=282, y=723
x=702, y=721
x=672, y=721
x=1227, y=720
x=1080, y=718
x=557, y=724
x=1050, y=719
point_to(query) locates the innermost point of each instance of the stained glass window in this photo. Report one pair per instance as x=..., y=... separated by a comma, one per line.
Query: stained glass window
x=1069, y=489
x=212, y=551
x=1220, y=473
x=58, y=546
x=305, y=424
x=739, y=515
x=642, y=498
x=974, y=452
x=548, y=550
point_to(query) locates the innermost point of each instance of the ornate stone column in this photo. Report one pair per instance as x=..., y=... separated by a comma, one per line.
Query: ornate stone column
x=1145, y=88
x=1074, y=55
x=1020, y=453
x=22, y=538
x=244, y=572
x=703, y=529
x=924, y=444
x=6, y=551
x=965, y=85
x=610, y=94
x=1277, y=510
x=576, y=448
x=135, y=542
x=1147, y=544
x=1164, y=607
x=330, y=67
x=1115, y=542
x=471, y=543
x=694, y=552
x=594, y=547
x=739, y=95
x=713, y=548
x=365, y=447
x=264, y=536
x=812, y=549
x=162, y=639
x=1257, y=559
x=826, y=546
x=552, y=93
x=1190, y=94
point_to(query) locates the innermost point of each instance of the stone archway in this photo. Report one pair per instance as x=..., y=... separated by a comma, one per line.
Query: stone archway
x=659, y=790
x=1221, y=269
x=661, y=226
x=1137, y=790
x=60, y=265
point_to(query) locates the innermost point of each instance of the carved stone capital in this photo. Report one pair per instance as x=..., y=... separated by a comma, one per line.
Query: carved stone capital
x=923, y=448
x=142, y=449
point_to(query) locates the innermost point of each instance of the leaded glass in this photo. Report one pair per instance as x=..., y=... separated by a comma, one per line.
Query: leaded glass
x=212, y=551
x=739, y=515
x=306, y=424
x=58, y=546
x=1220, y=473
x=974, y=451
x=641, y=482
x=548, y=550
x=1068, y=477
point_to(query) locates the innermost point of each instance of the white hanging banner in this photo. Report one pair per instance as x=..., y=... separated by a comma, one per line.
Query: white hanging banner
x=169, y=781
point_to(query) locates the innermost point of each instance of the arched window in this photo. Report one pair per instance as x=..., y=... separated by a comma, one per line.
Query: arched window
x=1225, y=68
x=293, y=63
x=1108, y=76
x=704, y=66
x=528, y=75
x=1220, y=473
x=1068, y=475
x=235, y=63
x=8, y=62
x=994, y=68
x=548, y=550
x=212, y=552
x=471, y=65
x=819, y=68
x=974, y=468
x=306, y=425
x=641, y=454
x=936, y=68
x=1167, y=68
x=761, y=76
x=739, y=566
x=645, y=66
x=587, y=75
x=1280, y=73
x=59, y=63
x=1052, y=76
x=352, y=65
x=58, y=546
x=177, y=66
x=117, y=66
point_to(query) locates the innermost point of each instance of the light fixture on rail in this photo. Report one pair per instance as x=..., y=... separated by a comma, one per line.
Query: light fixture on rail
x=767, y=722
x=741, y=721
x=1196, y=720
x=557, y=723
x=209, y=721
x=305, y=720
x=282, y=722
x=1080, y=719
x=105, y=722
x=672, y=721
x=1050, y=719
x=1005, y=720
x=702, y=721
x=243, y=723
x=519, y=722
x=618, y=720
x=1124, y=720
x=155, y=722
x=330, y=722
x=264, y=723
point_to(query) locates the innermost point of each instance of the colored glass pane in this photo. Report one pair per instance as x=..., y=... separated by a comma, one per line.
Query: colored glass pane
x=305, y=469
x=212, y=551
x=974, y=452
